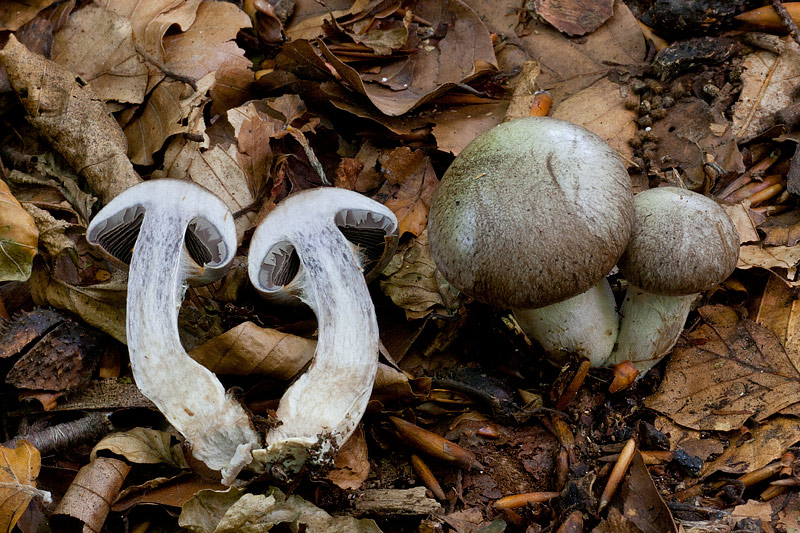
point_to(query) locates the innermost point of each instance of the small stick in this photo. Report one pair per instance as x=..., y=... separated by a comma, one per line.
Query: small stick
x=765, y=194
x=758, y=168
x=751, y=188
x=164, y=69
x=574, y=385
x=434, y=445
x=772, y=491
x=521, y=500
x=625, y=458
x=427, y=476
x=787, y=20
x=67, y=435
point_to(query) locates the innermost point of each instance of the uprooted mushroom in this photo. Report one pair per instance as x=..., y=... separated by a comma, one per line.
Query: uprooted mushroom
x=314, y=246
x=172, y=232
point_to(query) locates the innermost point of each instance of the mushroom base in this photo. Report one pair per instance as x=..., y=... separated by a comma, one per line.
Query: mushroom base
x=586, y=325
x=649, y=328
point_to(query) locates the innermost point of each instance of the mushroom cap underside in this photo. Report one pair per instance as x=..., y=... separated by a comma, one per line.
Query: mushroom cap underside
x=682, y=243
x=532, y=212
x=368, y=225
x=210, y=238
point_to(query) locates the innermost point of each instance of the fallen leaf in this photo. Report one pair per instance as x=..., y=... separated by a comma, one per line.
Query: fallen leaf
x=768, y=84
x=351, y=467
x=643, y=504
x=779, y=312
x=15, y=13
x=574, y=17
x=18, y=238
x=262, y=512
x=782, y=230
x=771, y=257
x=732, y=370
x=203, y=512
x=248, y=349
x=754, y=509
x=97, y=45
x=51, y=231
x=413, y=282
x=174, y=492
x=143, y=446
x=408, y=189
x=18, y=471
x=750, y=451
x=77, y=124
x=455, y=127
x=743, y=222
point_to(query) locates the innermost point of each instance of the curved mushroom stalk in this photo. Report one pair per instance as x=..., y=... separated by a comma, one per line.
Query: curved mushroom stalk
x=182, y=234
x=651, y=325
x=322, y=408
x=586, y=325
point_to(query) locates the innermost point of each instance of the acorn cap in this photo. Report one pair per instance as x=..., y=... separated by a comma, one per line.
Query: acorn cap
x=530, y=213
x=682, y=243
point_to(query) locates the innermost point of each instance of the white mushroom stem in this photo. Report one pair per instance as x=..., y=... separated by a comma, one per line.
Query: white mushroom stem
x=650, y=327
x=323, y=407
x=189, y=395
x=586, y=325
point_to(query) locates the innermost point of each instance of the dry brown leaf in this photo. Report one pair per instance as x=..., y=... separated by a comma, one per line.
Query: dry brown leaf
x=89, y=497
x=600, y=108
x=769, y=81
x=248, y=349
x=143, y=446
x=779, y=312
x=732, y=370
x=76, y=123
x=352, y=462
x=409, y=187
x=51, y=230
x=15, y=13
x=643, y=504
x=413, y=282
x=770, y=258
x=308, y=18
x=174, y=491
x=758, y=448
x=203, y=512
x=574, y=17
x=743, y=222
x=97, y=45
x=18, y=238
x=455, y=127
x=18, y=471
x=465, y=52
x=782, y=230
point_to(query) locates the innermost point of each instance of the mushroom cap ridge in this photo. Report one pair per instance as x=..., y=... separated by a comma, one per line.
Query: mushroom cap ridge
x=682, y=243
x=530, y=213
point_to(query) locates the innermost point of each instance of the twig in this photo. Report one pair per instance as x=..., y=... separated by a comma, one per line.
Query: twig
x=68, y=434
x=165, y=70
x=786, y=18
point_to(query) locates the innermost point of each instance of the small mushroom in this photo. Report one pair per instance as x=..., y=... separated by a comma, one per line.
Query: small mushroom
x=182, y=233
x=302, y=248
x=532, y=215
x=683, y=243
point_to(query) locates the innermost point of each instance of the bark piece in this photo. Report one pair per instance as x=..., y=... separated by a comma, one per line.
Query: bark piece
x=394, y=502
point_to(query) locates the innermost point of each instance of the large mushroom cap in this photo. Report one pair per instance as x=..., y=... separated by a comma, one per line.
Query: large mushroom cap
x=530, y=213
x=682, y=243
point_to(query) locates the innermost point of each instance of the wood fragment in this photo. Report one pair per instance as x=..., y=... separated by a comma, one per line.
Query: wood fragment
x=434, y=445
x=67, y=435
x=395, y=502
x=787, y=20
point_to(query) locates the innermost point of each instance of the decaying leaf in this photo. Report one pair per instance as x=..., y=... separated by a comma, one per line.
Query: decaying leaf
x=203, y=512
x=265, y=511
x=248, y=349
x=454, y=128
x=18, y=471
x=51, y=231
x=89, y=497
x=144, y=446
x=750, y=451
x=352, y=462
x=574, y=17
x=409, y=187
x=732, y=370
x=171, y=491
x=782, y=230
x=643, y=504
x=769, y=83
x=97, y=45
x=779, y=312
x=413, y=282
x=18, y=238
x=76, y=123
x=15, y=13
x=784, y=258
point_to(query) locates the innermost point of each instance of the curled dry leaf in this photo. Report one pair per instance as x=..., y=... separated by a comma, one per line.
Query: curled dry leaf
x=248, y=349
x=733, y=369
x=414, y=283
x=18, y=470
x=97, y=45
x=76, y=123
x=51, y=230
x=143, y=446
x=170, y=491
x=783, y=259
x=18, y=238
x=352, y=462
x=89, y=497
x=750, y=451
x=204, y=511
x=779, y=312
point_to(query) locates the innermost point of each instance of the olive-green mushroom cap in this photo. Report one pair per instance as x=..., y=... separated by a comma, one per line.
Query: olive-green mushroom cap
x=530, y=213
x=682, y=243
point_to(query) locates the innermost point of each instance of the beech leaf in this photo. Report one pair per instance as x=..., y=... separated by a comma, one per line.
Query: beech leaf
x=18, y=470
x=18, y=238
x=144, y=446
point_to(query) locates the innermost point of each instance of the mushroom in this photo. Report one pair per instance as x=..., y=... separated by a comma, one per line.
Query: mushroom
x=683, y=243
x=532, y=215
x=182, y=233
x=301, y=248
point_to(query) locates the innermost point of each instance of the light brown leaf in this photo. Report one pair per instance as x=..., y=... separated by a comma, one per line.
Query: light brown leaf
x=455, y=127
x=143, y=446
x=733, y=369
x=751, y=451
x=18, y=471
x=15, y=13
x=18, y=238
x=203, y=512
x=97, y=45
x=172, y=491
x=575, y=17
x=643, y=504
x=352, y=462
x=248, y=349
x=779, y=312
x=782, y=230
x=770, y=258
x=77, y=124
x=409, y=187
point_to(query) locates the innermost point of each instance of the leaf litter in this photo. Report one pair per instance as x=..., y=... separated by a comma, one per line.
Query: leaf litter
x=260, y=102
